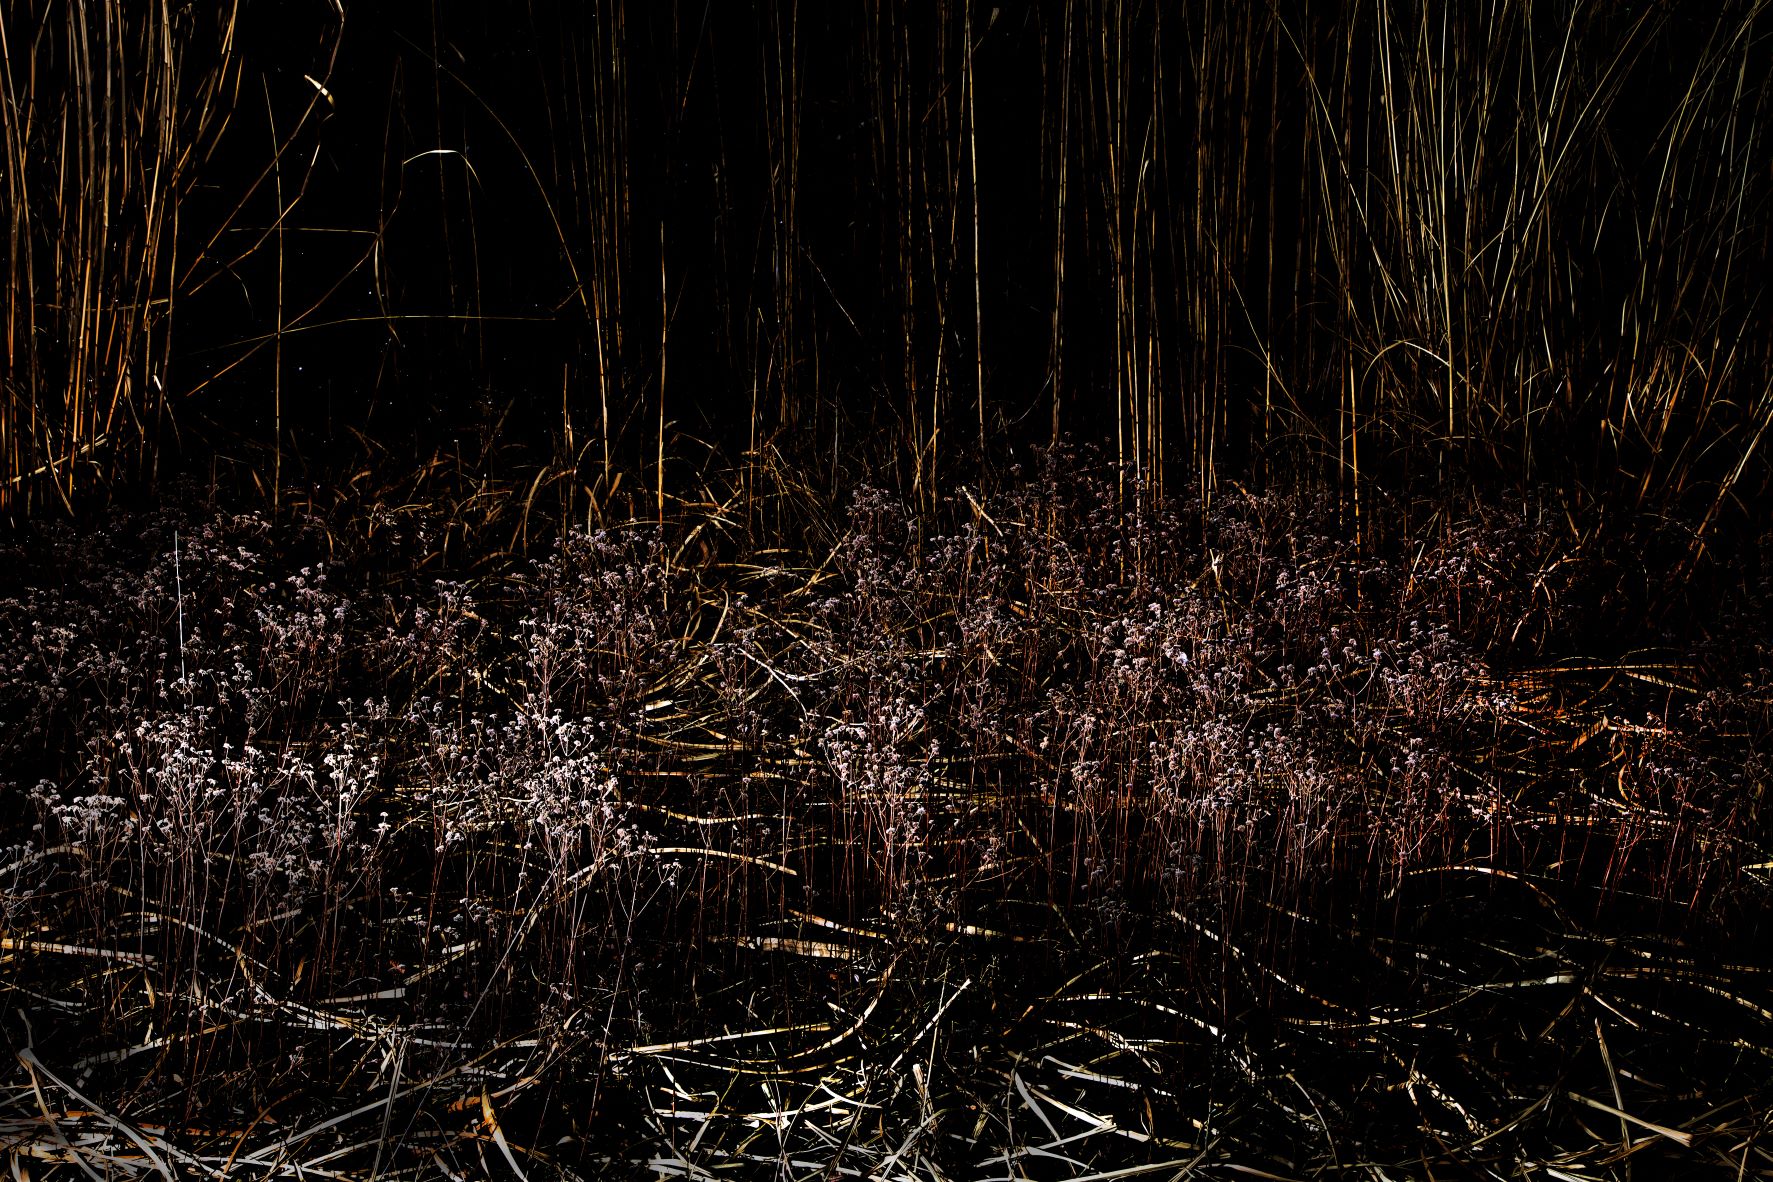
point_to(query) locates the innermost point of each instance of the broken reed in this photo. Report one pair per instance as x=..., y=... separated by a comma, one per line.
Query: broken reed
x=1412, y=242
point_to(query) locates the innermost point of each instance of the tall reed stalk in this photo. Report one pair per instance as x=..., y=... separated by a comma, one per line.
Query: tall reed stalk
x=113, y=117
x=107, y=112
x=1405, y=244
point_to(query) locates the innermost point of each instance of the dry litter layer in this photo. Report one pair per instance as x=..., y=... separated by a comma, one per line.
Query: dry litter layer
x=1029, y=837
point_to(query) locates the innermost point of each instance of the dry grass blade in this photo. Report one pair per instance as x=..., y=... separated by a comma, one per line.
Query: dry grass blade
x=35, y=1066
x=1676, y=1135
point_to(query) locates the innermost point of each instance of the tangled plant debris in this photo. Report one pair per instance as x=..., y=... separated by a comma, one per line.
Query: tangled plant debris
x=1023, y=838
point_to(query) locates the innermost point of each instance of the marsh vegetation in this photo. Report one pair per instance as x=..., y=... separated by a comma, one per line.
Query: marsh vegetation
x=890, y=592
x=1024, y=836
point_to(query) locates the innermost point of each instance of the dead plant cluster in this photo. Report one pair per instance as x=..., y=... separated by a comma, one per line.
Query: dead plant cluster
x=1022, y=837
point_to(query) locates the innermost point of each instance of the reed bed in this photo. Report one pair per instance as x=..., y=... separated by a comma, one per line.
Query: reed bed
x=1405, y=245
x=1349, y=759
x=765, y=833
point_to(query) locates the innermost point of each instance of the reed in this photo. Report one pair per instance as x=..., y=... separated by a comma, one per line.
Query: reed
x=1410, y=248
x=103, y=130
x=112, y=119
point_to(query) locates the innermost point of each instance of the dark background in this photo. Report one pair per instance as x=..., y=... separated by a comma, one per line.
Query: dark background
x=1389, y=242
